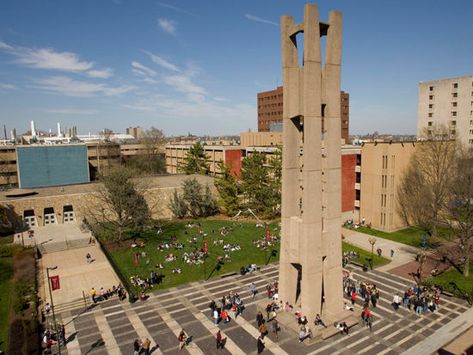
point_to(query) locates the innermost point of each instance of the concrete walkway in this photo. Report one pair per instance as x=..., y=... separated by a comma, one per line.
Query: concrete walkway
x=403, y=254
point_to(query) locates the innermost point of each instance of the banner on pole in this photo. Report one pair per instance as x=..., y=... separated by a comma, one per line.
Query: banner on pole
x=55, y=285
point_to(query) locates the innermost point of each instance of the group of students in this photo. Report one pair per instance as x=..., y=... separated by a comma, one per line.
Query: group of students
x=103, y=295
x=220, y=309
x=421, y=300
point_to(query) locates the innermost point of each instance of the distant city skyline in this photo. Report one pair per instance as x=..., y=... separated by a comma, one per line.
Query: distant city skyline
x=196, y=67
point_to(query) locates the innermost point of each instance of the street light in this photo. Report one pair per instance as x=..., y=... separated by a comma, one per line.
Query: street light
x=372, y=241
x=52, y=306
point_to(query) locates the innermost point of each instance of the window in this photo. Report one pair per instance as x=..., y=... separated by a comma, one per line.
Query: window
x=455, y=85
x=429, y=123
x=454, y=94
x=454, y=104
x=453, y=132
x=431, y=88
x=471, y=131
x=454, y=123
x=431, y=97
x=431, y=114
x=393, y=163
x=431, y=105
x=454, y=113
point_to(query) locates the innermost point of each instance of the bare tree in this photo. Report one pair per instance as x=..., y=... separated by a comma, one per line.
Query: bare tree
x=425, y=185
x=153, y=159
x=119, y=203
x=459, y=210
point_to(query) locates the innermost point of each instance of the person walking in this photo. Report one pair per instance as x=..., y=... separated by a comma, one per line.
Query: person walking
x=392, y=253
x=145, y=346
x=259, y=318
x=182, y=337
x=260, y=344
x=136, y=347
x=353, y=297
x=219, y=340
x=275, y=328
x=253, y=289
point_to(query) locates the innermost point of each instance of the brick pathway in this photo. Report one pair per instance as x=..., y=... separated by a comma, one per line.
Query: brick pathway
x=112, y=326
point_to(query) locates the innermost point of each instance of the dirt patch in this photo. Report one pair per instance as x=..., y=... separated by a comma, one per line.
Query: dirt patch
x=24, y=267
x=121, y=245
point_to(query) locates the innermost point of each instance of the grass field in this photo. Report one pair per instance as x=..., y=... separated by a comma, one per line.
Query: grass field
x=6, y=272
x=242, y=234
x=453, y=275
x=410, y=236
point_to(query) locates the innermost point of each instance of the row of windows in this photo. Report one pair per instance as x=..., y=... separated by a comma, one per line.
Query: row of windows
x=270, y=97
x=454, y=86
x=277, y=104
x=453, y=113
x=277, y=113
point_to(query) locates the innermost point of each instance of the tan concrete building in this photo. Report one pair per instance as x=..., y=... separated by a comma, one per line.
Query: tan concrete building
x=65, y=204
x=8, y=168
x=382, y=166
x=228, y=154
x=260, y=139
x=448, y=103
x=136, y=132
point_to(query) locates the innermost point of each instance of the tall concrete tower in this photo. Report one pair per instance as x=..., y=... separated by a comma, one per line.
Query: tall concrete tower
x=33, y=130
x=310, y=273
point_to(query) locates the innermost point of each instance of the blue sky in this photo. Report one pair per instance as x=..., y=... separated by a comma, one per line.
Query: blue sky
x=196, y=66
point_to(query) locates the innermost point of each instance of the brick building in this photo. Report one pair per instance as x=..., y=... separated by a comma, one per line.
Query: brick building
x=270, y=107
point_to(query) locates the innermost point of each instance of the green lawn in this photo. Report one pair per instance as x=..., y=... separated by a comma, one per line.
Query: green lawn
x=6, y=272
x=242, y=234
x=364, y=255
x=453, y=275
x=410, y=236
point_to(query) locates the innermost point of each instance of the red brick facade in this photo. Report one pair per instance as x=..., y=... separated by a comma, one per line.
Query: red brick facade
x=348, y=182
x=270, y=106
x=233, y=160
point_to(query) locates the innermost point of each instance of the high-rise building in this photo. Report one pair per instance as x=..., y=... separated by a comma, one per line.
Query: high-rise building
x=448, y=103
x=270, y=106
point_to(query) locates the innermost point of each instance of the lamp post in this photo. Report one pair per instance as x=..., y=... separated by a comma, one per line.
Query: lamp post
x=52, y=306
x=372, y=241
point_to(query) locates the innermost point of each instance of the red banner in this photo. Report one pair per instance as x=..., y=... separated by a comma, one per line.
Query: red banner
x=135, y=259
x=206, y=247
x=55, y=285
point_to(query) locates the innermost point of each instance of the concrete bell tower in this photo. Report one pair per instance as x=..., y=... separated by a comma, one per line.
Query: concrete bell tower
x=310, y=273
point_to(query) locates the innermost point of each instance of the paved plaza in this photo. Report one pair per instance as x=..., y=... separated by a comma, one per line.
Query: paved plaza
x=112, y=326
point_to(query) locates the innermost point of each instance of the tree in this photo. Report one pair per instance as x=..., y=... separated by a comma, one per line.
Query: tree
x=195, y=201
x=259, y=185
x=195, y=161
x=227, y=188
x=9, y=220
x=424, y=188
x=459, y=209
x=275, y=180
x=177, y=205
x=121, y=203
x=152, y=161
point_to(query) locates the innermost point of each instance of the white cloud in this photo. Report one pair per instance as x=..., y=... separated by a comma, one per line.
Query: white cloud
x=184, y=84
x=4, y=86
x=177, y=9
x=70, y=87
x=141, y=69
x=47, y=58
x=261, y=20
x=168, y=26
x=162, y=62
x=102, y=73
x=68, y=111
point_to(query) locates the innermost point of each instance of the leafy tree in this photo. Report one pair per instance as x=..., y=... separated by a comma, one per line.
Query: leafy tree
x=192, y=194
x=256, y=185
x=227, y=188
x=195, y=201
x=209, y=204
x=275, y=180
x=195, y=161
x=121, y=203
x=177, y=205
